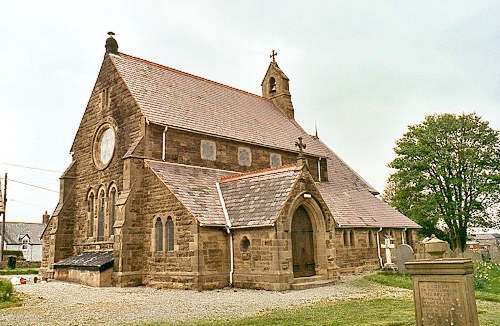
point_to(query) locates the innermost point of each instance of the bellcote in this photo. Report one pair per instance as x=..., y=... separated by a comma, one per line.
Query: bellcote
x=275, y=87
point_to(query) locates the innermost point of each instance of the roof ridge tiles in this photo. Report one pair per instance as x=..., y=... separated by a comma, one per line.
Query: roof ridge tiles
x=193, y=76
x=255, y=173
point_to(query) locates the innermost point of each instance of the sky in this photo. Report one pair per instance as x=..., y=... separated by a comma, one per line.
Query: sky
x=361, y=70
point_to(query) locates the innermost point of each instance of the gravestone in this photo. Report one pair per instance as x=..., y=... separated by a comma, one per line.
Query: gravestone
x=388, y=245
x=404, y=253
x=443, y=289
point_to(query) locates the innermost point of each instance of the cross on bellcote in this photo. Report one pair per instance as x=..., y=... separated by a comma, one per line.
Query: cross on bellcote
x=301, y=147
x=273, y=55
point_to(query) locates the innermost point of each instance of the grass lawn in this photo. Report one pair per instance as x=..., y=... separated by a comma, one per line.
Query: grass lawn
x=352, y=312
x=489, y=286
x=18, y=271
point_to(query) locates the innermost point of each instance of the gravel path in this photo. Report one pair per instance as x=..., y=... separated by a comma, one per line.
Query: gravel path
x=60, y=303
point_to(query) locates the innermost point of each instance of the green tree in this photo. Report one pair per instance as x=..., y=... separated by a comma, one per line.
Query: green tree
x=447, y=176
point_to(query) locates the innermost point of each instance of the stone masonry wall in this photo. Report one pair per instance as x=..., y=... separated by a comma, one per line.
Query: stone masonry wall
x=267, y=263
x=179, y=268
x=360, y=254
x=184, y=147
x=121, y=112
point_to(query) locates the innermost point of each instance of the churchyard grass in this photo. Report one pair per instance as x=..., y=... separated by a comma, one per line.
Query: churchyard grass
x=7, y=295
x=394, y=312
x=486, y=280
x=18, y=271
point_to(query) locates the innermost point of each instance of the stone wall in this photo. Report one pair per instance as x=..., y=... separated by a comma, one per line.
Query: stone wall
x=359, y=253
x=178, y=268
x=68, y=230
x=184, y=147
x=267, y=262
x=91, y=278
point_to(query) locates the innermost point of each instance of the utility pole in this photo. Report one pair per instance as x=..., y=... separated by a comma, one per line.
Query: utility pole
x=3, y=216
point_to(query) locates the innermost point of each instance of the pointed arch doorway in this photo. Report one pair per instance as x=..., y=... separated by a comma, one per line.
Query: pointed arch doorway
x=302, y=244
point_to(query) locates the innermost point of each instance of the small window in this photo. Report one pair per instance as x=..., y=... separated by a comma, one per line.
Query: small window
x=244, y=156
x=158, y=235
x=100, y=216
x=272, y=85
x=351, y=238
x=208, y=150
x=408, y=237
x=244, y=244
x=112, y=209
x=90, y=210
x=24, y=247
x=370, y=239
x=170, y=234
x=105, y=98
x=275, y=160
x=346, y=238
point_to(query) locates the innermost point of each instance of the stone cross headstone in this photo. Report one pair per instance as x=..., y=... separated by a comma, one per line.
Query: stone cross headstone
x=388, y=245
x=404, y=253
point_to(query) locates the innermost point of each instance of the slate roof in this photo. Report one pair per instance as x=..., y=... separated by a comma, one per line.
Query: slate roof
x=171, y=97
x=195, y=187
x=91, y=260
x=180, y=100
x=15, y=231
x=257, y=198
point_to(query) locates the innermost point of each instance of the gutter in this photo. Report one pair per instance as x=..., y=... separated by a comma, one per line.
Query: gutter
x=378, y=248
x=228, y=230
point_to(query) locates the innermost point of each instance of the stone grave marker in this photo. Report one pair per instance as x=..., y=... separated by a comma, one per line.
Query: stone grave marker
x=443, y=289
x=404, y=253
x=388, y=245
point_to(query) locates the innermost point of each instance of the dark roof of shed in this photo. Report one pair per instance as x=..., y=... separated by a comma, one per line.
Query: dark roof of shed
x=15, y=231
x=171, y=97
x=90, y=260
x=256, y=198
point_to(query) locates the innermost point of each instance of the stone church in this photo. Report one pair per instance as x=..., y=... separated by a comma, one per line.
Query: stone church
x=182, y=182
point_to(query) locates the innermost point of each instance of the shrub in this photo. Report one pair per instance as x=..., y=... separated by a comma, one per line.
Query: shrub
x=6, y=290
x=487, y=277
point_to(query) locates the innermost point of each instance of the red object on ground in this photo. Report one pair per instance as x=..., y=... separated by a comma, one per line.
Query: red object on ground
x=22, y=280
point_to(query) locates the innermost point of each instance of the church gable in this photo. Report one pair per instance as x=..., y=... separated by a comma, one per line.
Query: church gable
x=256, y=198
x=195, y=187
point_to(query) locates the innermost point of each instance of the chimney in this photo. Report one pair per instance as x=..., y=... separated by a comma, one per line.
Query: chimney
x=45, y=218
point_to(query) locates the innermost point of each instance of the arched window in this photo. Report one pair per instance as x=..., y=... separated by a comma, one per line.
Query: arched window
x=112, y=210
x=346, y=238
x=90, y=213
x=158, y=235
x=170, y=234
x=272, y=85
x=370, y=239
x=351, y=238
x=100, y=216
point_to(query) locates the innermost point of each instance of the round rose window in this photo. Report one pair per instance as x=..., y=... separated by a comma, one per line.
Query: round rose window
x=104, y=146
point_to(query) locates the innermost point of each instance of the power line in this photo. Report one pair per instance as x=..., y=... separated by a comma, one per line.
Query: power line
x=24, y=203
x=30, y=167
x=34, y=186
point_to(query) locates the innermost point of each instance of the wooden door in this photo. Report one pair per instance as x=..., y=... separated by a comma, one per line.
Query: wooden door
x=302, y=244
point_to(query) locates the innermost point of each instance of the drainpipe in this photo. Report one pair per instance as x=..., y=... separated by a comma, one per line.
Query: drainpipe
x=378, y=248
x=228, y=230
x=403, y=236
x=164, y=151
